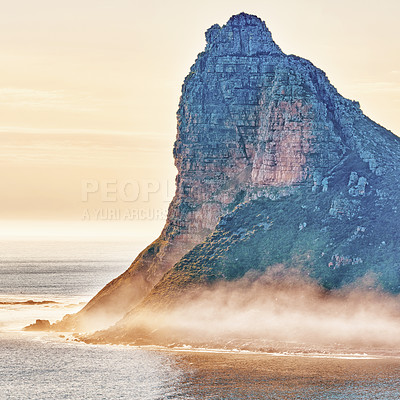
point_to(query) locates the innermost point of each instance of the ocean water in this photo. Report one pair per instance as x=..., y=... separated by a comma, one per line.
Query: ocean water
x=41, y=366
x=62, y=267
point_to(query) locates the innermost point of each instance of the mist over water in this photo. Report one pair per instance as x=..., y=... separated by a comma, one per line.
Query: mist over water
x=44, y=366
x=280, y=306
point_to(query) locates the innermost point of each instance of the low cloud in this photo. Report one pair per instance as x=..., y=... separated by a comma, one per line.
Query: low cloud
x=279, y=308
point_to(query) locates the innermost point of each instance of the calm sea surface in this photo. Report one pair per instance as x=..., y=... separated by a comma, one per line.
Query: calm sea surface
x=47, y=366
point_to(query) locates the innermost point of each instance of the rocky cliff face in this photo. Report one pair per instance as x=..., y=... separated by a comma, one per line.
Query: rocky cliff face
x=298, y=174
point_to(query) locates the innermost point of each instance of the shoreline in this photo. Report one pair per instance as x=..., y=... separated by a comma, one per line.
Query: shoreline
x=286, y=349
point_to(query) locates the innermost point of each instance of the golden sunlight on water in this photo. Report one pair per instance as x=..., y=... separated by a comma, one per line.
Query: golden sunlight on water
x=249, y=376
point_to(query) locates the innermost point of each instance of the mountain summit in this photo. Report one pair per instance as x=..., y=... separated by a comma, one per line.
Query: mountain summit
x=274, y=167
x=243, y=34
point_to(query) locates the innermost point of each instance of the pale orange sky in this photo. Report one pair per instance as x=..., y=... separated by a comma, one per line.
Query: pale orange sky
x=89, y=91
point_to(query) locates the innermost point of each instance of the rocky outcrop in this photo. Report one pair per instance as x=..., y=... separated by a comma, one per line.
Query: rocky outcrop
x=267, y=143
x=39, y=325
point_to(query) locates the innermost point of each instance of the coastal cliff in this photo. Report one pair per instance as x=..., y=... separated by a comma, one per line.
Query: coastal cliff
x=274, y=167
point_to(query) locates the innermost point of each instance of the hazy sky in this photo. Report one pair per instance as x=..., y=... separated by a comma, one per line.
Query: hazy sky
x=89, y=90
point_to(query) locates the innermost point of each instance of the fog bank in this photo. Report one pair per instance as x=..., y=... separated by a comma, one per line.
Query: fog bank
x=278, y=306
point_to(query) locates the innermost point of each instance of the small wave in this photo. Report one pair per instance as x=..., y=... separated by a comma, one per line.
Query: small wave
x=27, y=303
x=186, y=348
x=345, y=356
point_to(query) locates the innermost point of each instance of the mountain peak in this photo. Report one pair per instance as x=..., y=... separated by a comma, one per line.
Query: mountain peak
x=243, y=19
x=242, y=35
